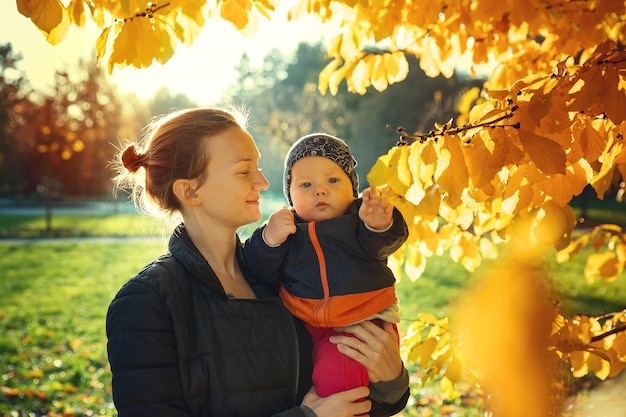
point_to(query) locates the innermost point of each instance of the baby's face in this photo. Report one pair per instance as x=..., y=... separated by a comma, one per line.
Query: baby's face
x=319, y=189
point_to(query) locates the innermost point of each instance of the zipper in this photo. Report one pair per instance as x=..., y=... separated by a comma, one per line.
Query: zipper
x=321, y=310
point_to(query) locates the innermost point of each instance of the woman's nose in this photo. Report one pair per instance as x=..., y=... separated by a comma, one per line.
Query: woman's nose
x=262, y=183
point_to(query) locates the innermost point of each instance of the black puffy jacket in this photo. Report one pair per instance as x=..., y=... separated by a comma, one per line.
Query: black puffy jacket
x=178, y=346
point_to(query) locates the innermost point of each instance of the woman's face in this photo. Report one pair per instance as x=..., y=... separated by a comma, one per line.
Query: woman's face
x=233, y=182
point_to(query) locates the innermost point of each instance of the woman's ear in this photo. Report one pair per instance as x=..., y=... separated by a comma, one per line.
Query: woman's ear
x=185, y=190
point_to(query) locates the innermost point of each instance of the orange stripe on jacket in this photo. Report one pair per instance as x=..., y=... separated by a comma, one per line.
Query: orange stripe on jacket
x=345, y=309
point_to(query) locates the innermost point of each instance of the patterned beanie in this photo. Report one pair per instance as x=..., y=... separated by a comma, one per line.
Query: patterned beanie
x=321, y=144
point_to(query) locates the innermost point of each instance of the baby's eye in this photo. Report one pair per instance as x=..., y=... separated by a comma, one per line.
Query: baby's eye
x=333, y=180
x=305, y=185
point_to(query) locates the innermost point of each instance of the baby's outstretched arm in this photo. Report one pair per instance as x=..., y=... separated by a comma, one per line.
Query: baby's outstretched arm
x=376, y=210
x=279, y=226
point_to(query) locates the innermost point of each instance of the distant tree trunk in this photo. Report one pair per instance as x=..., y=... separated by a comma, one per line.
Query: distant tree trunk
x=48, y=204
x=50, y=189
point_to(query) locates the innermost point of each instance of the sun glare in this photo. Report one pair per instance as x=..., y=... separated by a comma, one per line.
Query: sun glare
x=202, y=71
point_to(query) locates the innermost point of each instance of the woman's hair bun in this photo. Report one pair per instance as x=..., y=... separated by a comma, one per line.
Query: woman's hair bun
x=132, y=160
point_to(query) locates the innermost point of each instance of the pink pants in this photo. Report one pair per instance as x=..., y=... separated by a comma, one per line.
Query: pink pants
x=332, y=370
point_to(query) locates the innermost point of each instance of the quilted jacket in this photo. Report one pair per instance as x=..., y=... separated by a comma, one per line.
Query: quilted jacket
x=333, y=272
x=178, y=346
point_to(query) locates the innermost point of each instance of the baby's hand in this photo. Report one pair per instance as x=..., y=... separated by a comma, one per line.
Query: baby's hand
x=279, y=226
x=376, y=210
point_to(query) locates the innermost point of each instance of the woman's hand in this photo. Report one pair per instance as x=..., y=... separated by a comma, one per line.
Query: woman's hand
x=374, y=347
x=342, y=404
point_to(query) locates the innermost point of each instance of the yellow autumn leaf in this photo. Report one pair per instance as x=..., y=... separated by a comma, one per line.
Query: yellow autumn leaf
x=547, y=155
x=468, y=97
x=335, y=78
x=101, y=43
x=300, y=9
x=598, y=83
x=76, y=13
x=265, y=7
x=591, y=140
x=488, y=249
x=598, y=365
x=602, y=266
x=396, y=67
x=428, y=208
x=406, y=208
x=477, y=156
x=451, y=173
x=602, y=180
x=378, y=173
x=415, y=193
x=425, y=232
x=424, y=351
x=427, y=318
x=358, y=78
x=140, y=42
x=454, y=370
x=57, y=34
x=415, y=263
x=45, y=14
x=428, y=157
x=578, y=360
x=448, y=391
x=398, y=170
x=379, y=74
x=236, y=12
x=324, y=77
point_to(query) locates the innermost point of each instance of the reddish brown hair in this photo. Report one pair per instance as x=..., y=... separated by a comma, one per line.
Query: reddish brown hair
x=174, y=147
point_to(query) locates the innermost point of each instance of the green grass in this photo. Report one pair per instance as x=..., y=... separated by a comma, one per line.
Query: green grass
x=52, y=337
x=34, y=226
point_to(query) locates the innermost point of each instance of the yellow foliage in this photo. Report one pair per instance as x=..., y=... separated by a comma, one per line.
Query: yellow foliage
x=45, y=14
x=504, y=326
x=236, y=11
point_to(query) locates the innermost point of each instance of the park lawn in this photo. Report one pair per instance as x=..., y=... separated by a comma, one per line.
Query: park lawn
x=62, y=225
x=52, y=336
x=55, y=296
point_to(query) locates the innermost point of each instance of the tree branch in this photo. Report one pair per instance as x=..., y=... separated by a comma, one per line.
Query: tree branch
x=454, y=131
x=609, y=333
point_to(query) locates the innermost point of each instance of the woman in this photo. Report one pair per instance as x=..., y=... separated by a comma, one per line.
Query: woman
x=189, y=335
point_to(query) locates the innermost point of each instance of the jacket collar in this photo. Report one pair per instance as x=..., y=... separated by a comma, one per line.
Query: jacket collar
x=184, y=250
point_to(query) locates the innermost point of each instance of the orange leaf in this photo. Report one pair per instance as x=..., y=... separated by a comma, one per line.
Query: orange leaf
x=45, y=14
x=481, y=167
x=451, y=173
x=547, y=155
x=236, y=11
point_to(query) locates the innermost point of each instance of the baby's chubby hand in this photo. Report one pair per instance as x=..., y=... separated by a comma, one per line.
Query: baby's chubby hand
x=376, y=210
x=279, y=226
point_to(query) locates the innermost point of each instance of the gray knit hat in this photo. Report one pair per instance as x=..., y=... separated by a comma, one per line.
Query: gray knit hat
x=321, y=144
